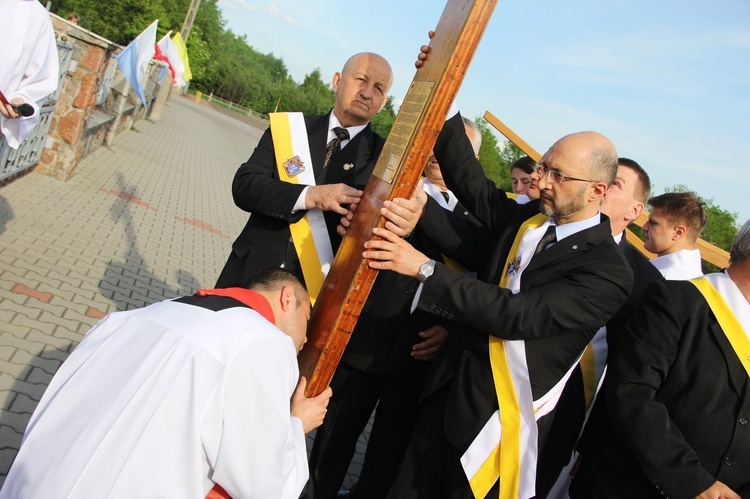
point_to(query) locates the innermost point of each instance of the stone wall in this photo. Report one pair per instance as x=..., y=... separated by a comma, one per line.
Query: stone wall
x=80, y=125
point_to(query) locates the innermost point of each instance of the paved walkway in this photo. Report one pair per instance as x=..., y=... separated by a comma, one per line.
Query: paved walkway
x=152, y=218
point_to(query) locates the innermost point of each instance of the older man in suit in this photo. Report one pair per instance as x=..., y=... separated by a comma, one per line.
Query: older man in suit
x=385, y=364
x=343, y=150
x=678, y=395
x=561, y=278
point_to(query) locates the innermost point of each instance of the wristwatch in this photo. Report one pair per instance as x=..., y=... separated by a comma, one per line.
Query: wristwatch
x=426, y=270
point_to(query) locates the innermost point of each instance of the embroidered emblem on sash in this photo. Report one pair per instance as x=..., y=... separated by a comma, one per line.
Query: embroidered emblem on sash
x=514, y=266
x=293, y=166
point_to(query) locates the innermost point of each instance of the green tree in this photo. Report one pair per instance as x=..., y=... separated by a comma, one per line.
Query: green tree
x=383, y=121
x=316, y=96
x=490, y=156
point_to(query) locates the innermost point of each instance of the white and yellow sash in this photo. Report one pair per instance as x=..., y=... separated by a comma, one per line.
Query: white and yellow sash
x=506, y=447
x=294, y=165
x=732, y=311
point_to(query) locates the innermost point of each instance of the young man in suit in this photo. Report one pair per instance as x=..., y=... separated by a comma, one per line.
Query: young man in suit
x=674, y=224
x=679, y=395
x=341, y=168
x=623, y=203
x=519, y=340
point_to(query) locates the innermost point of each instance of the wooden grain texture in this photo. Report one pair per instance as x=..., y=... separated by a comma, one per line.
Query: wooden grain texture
x=350, y=280
x=709, y=252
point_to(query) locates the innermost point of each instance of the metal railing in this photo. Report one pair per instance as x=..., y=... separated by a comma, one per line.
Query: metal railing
x=232, y=106
x=13, y=161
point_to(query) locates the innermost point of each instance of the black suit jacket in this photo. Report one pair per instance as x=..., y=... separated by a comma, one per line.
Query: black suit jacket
x=679, y=402
x=382, y=340
x=265, y=240
x=567, y=292
x=598, y=428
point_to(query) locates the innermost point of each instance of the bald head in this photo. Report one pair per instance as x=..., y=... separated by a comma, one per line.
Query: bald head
x=361, y=88
x=576, y=172
x=593, y=151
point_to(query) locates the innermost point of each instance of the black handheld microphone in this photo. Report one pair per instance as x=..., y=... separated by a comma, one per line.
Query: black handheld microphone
x=24, y=109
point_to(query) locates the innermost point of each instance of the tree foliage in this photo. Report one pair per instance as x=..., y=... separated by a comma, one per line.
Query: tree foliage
x=496, y=161
x=721, y=225
x=383, y=121
x=223, y=63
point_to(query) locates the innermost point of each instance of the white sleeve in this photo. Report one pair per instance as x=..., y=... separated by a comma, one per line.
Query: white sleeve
x=261, y=452
x=39, y=78
x=301, y=204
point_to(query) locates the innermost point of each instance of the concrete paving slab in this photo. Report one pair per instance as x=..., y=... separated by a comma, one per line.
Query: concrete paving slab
x=148, y=219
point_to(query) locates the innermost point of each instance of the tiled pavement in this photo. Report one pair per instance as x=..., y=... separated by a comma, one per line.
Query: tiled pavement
x=149, y=219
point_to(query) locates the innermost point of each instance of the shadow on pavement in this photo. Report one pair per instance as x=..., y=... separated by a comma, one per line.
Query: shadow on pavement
x=129, y=282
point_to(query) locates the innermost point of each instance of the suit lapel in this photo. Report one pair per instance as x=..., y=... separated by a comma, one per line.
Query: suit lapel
x=737, y=373
x=350, y=160
x=317, y=133
x=572, y=244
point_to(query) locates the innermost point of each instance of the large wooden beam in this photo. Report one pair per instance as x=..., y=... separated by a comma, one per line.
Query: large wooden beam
x=709, y=252
x=396, y=174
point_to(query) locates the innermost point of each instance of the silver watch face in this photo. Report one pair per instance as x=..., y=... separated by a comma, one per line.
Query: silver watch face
x=426, y=270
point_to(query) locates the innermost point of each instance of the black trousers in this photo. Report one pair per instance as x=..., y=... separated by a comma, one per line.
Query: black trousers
x=355, y=395
x=431, y=467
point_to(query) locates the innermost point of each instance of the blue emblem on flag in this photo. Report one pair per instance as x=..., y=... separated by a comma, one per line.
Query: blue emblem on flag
x=293, y=166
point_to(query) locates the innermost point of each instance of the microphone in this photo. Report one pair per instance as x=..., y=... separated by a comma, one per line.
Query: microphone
x=24, y=109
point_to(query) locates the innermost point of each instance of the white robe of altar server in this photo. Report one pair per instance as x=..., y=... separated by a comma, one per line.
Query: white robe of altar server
x=29, y=64
x=165, y=401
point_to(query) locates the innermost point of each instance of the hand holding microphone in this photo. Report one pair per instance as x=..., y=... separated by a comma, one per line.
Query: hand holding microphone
x=12, y=110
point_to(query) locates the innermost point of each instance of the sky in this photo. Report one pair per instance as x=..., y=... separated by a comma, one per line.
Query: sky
x=668, y=81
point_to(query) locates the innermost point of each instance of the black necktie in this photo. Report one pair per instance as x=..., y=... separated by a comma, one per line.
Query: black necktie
x=335, y=144
x=445, y=195
x=547, y=238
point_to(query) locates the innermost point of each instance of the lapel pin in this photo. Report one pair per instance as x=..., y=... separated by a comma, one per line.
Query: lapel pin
x=348, y=166
x=575, y=246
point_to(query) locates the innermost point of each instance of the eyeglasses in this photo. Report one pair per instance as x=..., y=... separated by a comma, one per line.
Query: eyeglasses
x=554, y=176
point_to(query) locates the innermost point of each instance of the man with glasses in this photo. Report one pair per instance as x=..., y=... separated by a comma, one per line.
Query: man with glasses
x=549, y=281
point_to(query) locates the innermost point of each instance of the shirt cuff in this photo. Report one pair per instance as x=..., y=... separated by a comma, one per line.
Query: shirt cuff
x=415, y=301
x=300, y=204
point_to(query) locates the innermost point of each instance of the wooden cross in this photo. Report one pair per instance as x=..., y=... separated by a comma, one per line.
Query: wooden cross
x=396, y=174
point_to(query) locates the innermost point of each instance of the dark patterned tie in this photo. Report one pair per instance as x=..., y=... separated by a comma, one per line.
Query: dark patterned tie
x=547, y=238
x=335, y=144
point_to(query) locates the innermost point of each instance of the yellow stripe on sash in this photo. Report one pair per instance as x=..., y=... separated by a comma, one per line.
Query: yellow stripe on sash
x=505, y=459
x=729, y=324
x=532, y=223
x=301, y=231
x=588, y=371
x=453, y=265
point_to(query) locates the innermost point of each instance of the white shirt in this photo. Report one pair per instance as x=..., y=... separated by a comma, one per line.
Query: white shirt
x=435, y=193
x=531, y=238
x=29, y=65
x=333, y=122
x=679, y=266
x=163, y=402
